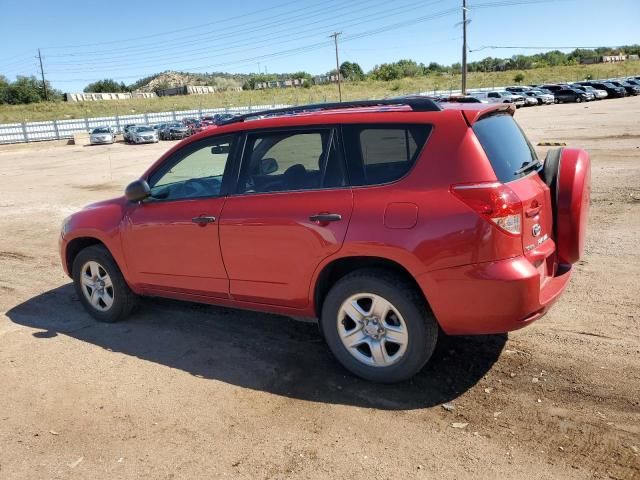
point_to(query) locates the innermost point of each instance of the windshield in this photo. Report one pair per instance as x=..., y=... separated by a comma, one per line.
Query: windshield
x=504, y=92
x=101, y=130
x=144, y=129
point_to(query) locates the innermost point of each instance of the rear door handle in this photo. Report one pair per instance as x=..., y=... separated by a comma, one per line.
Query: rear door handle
x=203, y=220
x=326, y=217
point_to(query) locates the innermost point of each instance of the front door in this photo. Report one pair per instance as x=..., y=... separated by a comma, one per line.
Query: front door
x=171, y=239
x=291, y=210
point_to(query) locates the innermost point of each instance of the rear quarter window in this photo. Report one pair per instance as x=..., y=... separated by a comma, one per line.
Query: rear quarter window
x=382, y=153
x=505, y=145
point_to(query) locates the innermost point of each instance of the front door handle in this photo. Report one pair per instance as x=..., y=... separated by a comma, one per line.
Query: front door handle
x=325, y=217
x=203, y=220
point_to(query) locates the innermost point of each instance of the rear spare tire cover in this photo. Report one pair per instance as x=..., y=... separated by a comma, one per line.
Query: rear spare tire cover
x=570, y=185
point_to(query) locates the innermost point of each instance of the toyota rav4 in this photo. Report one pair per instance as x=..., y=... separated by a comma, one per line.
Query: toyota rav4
x=389, y=221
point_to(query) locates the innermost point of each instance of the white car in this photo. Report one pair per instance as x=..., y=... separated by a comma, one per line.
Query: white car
x=144, y=134
x=540, y=97
x=102, y=135
x=500, y=96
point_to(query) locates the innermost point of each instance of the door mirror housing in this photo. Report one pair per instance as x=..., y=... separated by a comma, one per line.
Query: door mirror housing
x=137, y=191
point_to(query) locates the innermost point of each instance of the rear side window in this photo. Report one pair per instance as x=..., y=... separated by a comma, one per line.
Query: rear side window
x=382, y=153
x=505, y=145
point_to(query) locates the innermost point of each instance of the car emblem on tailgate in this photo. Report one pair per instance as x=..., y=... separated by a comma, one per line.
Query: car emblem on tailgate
x=536, y=230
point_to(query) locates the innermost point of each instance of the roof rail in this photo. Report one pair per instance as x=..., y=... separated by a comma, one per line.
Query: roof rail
x=416, y=104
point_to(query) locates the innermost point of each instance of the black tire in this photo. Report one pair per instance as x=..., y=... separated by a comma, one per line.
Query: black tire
x=578, y=99
x=422, y=328
x=123, y=298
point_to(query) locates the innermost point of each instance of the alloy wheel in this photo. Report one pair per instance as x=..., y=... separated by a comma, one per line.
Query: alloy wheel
x=372, y=330
x=97, y=286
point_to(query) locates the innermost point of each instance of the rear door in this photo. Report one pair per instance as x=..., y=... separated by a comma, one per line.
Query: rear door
x=291, y=210
x=508, y=150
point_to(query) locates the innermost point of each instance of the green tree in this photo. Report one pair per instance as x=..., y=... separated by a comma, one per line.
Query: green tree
x=386, y=72
x=519, y=77
x=351, y=71
x=24, y=90
x=4, y=86
x=106, y=86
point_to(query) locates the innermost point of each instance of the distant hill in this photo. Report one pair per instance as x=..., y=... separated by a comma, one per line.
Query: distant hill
x=170, y=79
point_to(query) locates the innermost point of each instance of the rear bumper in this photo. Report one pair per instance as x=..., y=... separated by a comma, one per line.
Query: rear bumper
x=494, y=297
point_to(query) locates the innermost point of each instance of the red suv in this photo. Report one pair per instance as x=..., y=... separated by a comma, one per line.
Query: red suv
x=386, y=220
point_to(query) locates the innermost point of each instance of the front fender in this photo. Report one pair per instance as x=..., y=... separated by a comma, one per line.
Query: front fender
x=100, y=221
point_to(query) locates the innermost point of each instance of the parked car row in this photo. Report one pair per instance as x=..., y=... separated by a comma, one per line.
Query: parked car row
x=176, y=130
x=546, y=94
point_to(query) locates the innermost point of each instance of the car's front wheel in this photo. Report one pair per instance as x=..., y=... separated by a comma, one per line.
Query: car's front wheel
x=378, y=326
x=100, y=285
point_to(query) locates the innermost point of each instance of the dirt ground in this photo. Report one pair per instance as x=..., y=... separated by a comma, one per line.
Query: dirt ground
x=190, y=391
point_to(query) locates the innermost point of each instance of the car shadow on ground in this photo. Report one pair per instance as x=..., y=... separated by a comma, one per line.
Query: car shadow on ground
x=258, y=351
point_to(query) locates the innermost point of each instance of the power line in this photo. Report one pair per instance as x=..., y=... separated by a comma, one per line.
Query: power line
x=238, y=29
x=302, y=49
x=193, y=27
x=529, y=47
x=314, y=46
x=287, y=37
x=250, y=39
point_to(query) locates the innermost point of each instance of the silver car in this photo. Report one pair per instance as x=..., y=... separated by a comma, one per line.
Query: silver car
x=598, y=94
x=541, y=97
x=499, y=96
x=144, y=134
x=102, y=135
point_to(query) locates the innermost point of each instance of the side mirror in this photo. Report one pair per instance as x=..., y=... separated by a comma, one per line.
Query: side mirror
x=268, y=165
x=137, y=191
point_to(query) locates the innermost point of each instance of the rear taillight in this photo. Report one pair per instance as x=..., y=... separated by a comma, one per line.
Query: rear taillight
x=495, y=202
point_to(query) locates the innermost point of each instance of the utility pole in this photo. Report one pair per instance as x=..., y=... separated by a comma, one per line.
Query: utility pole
x=335, y=41
x=44, y=84
x=464, y=47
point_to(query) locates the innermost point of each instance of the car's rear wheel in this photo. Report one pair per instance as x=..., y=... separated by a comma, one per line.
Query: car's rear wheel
x=378, y=326
x=100, y=285
x=578, y=99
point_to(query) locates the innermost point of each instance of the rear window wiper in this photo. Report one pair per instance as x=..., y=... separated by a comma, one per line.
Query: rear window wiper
x=535, y=164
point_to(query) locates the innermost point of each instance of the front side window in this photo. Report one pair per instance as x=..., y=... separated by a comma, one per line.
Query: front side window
x=197, y=172
x=383, y=153
x=292, y=160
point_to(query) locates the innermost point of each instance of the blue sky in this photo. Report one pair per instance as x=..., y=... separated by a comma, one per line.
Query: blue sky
x=86, y=41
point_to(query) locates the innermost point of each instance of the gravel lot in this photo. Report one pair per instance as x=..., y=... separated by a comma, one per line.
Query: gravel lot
x=190, y=391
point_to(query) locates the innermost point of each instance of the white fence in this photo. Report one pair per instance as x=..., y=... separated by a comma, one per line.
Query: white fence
x=61, y=129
